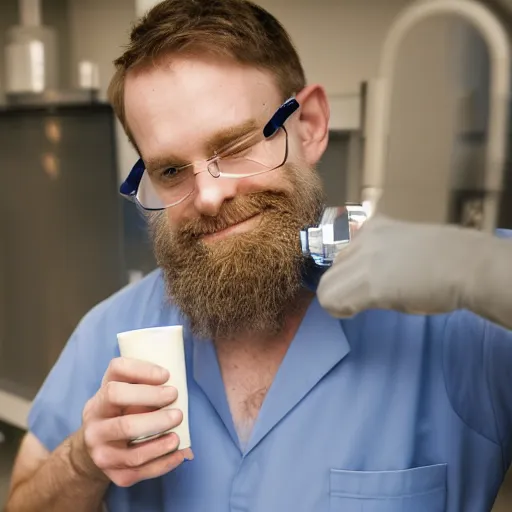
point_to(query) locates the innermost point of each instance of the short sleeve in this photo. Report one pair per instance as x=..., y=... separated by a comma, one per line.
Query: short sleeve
x=56, y=411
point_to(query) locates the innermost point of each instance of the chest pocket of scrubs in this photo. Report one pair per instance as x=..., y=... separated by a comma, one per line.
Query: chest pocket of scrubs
x=420, y=489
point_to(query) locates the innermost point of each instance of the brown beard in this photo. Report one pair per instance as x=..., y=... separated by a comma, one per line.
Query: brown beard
x=248, y=282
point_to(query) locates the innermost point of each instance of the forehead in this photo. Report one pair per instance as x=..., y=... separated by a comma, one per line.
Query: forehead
x=180, y=102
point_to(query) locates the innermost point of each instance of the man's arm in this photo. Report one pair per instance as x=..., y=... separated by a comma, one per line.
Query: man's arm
x=53, y=481
x=77, y=473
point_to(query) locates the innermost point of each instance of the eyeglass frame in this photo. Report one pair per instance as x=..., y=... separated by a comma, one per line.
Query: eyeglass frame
x=130, y=186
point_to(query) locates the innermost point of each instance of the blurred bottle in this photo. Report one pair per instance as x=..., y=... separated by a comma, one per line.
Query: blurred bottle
x=31, y=62
x=88, y=75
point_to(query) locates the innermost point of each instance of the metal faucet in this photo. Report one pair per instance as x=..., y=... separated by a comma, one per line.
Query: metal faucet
x=380, y=91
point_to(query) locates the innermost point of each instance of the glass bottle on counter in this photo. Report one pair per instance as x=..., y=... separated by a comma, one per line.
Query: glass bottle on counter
x=31, y=60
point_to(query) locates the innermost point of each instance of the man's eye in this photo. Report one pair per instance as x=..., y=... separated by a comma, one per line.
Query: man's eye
x=170, y=172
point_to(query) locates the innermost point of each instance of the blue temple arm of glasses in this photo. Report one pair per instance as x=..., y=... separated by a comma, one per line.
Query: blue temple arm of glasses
x=130, y=186
x=280, y=117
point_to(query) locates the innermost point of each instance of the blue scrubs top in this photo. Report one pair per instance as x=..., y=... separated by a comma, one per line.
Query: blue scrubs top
x=384, y=412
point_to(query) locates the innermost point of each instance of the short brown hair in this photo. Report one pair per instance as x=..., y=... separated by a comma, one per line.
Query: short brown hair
x=237, y=29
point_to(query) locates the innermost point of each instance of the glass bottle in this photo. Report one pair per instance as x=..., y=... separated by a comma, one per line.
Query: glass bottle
x=322, y=242
x=337, y=226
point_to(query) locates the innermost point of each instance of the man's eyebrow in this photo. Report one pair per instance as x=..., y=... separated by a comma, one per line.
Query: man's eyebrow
x=230, y=136
x=157, y=163
x=217, y=142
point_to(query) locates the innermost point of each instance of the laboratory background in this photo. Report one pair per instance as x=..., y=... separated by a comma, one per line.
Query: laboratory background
x=68, y=240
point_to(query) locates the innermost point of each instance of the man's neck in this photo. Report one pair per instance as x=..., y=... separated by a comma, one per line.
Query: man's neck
x=249, y=364
x=261, y=341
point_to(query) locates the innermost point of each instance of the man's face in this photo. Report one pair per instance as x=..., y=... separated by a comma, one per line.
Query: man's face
x=230, y=252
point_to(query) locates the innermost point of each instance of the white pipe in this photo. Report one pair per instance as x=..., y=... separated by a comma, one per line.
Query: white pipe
x=30, y=13
x=496, y=37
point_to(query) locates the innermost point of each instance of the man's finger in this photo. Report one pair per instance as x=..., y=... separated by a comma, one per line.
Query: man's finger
x=133, y=426
x=115, y=398
x=135, y=371
x=119, y=456
x=154, y=469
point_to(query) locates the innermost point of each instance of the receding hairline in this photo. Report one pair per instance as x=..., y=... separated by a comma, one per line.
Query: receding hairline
x=165, y=58
x=239, y=30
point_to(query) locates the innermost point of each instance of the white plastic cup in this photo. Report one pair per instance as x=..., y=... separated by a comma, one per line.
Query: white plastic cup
x=162, y=346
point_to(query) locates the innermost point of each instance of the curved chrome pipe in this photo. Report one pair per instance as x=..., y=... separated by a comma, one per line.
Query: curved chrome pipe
x=381, y=89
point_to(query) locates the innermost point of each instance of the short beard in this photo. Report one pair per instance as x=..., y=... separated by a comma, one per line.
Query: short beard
x=247, y=283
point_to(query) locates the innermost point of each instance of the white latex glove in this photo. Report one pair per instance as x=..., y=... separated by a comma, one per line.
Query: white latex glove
x=420, y=269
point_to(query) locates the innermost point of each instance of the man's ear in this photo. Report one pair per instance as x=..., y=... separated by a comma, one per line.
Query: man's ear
x=313, y=122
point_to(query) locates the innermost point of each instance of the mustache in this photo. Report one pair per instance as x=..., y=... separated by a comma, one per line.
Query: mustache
x=238, y=209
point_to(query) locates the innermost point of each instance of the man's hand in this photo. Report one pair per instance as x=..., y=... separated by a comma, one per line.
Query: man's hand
x=128, y=406
x=419, y=268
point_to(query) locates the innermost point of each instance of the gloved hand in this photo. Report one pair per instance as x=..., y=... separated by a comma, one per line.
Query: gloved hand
x=420, y=269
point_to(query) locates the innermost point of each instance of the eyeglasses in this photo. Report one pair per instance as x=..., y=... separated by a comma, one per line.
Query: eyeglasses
x=249, y=156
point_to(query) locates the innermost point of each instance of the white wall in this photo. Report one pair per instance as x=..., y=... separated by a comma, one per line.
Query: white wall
x=98, y=31
x=338, y=40
x=423, y=124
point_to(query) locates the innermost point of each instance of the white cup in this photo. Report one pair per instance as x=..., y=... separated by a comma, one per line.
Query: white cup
x=162, y=346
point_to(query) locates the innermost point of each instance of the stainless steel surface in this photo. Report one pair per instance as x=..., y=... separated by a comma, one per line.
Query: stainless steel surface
x=61, y=250
x=54, y=97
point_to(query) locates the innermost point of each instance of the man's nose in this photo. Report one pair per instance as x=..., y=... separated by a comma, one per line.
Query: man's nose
x=212, y=192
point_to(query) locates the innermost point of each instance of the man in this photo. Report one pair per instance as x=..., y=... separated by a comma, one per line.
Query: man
x=291, y=409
